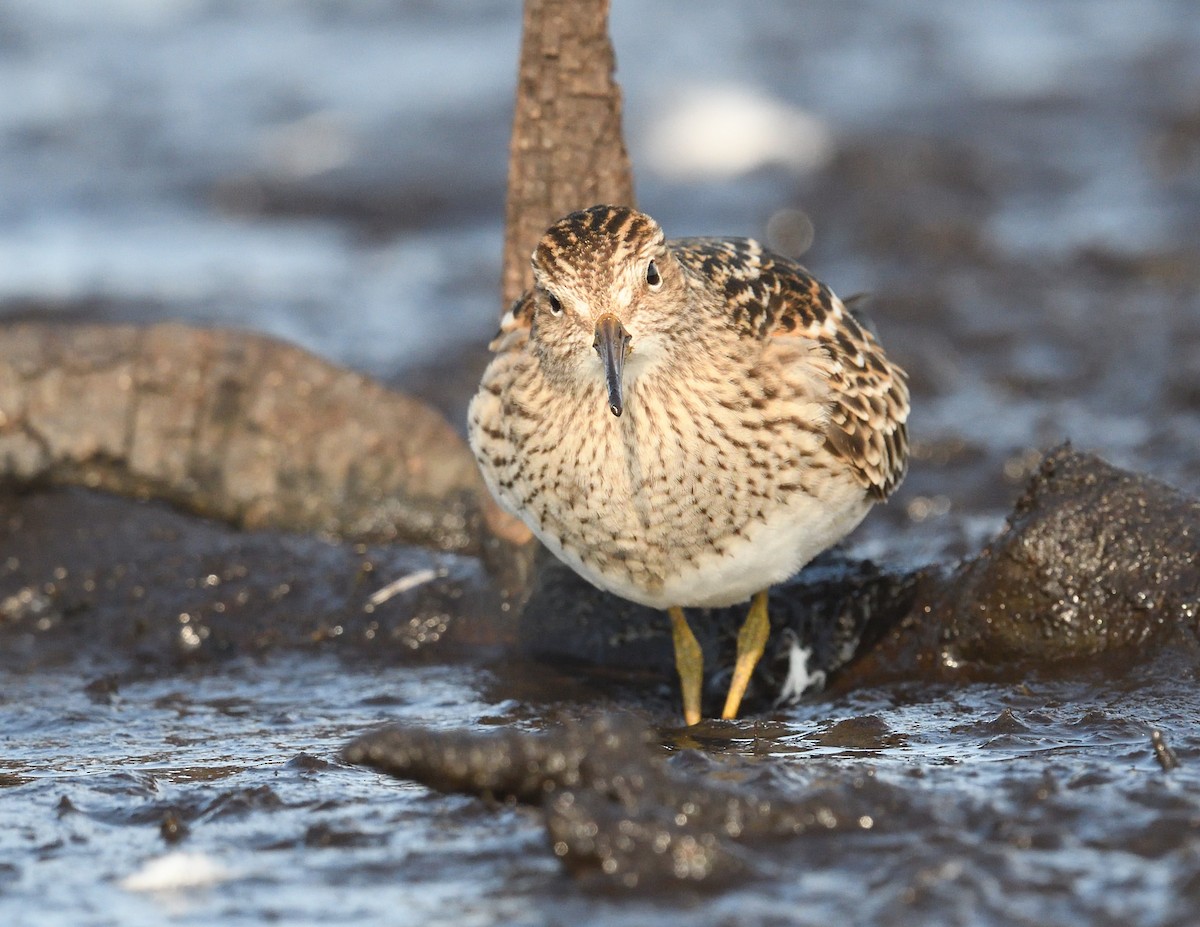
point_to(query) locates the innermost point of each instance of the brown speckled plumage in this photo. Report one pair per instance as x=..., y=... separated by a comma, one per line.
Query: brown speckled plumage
x=770, y=296
x=753, y=423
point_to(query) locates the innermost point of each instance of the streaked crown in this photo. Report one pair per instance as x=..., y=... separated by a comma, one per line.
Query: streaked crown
x=601, y=236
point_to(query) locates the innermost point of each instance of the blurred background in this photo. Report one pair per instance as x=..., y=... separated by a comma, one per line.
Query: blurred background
x=1015, y=182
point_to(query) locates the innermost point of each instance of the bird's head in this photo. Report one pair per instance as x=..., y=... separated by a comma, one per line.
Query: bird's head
x=606, y=290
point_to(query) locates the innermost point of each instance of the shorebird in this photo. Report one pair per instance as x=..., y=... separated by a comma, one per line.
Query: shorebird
x=685, y=422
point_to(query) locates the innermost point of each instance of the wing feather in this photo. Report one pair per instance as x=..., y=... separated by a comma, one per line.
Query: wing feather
x=770, y=296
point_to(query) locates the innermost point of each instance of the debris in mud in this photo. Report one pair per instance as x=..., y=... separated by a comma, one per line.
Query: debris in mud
x=1162, y=751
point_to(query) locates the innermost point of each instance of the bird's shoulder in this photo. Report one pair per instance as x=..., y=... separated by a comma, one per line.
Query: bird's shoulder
x=764, y=293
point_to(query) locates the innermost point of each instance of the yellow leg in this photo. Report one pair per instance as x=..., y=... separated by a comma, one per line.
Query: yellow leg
x=751, y=642
x=689, y=661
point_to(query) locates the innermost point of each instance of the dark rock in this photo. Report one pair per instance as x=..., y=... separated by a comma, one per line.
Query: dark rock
x=1094, y=560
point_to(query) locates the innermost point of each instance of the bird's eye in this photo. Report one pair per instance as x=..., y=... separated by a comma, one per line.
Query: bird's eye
x=653, y=277
x=555, y=304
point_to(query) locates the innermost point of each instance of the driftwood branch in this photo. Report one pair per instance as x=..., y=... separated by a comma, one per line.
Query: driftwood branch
x=234, y=426
x=568, y=150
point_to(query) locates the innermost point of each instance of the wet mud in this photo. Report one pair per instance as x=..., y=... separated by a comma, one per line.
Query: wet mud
x=628, y=804
x=138, y=586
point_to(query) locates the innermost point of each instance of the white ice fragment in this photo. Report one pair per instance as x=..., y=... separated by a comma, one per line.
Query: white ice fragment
x=175, y=871
x=727, y=130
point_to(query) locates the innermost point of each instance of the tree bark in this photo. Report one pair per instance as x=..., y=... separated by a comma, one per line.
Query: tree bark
x=568, y=150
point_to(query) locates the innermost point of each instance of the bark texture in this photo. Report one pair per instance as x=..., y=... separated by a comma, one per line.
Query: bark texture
x=234, y=426
x=568, y=150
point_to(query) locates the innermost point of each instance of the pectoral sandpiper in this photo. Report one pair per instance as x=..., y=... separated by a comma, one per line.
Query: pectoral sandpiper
x=685, y=422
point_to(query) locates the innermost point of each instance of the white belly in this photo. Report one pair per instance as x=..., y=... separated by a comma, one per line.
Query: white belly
x=769, y=553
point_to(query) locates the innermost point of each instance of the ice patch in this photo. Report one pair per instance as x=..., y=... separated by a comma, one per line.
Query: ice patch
x=176, y=871
x=725, y=131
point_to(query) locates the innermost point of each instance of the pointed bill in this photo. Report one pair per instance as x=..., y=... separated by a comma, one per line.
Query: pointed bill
x=612, y=344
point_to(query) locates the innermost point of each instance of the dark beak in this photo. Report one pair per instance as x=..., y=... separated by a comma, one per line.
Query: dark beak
x=612, y=344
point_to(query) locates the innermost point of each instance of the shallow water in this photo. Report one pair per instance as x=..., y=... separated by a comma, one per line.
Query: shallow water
x=1036, y=803
x=1015, y=181
x=245, y=759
